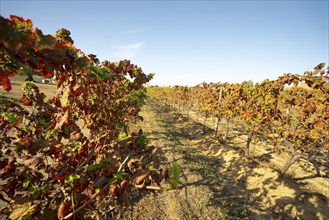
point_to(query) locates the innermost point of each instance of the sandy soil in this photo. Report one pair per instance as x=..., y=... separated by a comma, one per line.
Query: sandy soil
x=198, y=197
x=219, y=183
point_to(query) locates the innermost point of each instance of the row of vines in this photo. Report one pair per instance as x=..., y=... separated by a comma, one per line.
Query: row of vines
x=292, y=110
x=49, y=167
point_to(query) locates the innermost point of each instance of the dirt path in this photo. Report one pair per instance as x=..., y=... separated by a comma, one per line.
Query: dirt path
x=217, y=183
x=197, y=196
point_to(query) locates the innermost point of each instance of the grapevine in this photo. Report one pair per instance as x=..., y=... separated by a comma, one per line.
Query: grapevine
x=58, y=155
x=293, y=109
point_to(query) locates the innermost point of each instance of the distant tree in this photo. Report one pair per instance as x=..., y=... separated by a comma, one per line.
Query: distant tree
x=249, y=82
x=29, y=72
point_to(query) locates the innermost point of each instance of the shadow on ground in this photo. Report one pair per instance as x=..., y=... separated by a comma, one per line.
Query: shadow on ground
x=242, y=186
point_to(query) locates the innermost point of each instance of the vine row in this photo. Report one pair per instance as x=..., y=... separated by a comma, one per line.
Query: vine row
x=292, y=110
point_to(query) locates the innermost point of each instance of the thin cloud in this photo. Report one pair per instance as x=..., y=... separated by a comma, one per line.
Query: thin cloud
x=135, y=46
x=128, y=51
x=135, y=30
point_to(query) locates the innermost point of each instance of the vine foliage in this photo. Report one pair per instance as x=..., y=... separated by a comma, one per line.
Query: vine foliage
x=291, y=110
x=59, y=154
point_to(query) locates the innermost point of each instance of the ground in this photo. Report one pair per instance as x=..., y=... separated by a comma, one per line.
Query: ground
x=218, y=182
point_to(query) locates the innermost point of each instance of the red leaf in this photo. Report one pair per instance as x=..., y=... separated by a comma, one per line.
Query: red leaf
x=35, y=64
x=46, y=73
x=14, y=17
x=6, y=84
x=115, y=191
x=26, y=101
x=141, y=178
x=63, y=210
x=20, y=22
x=124, y=184
x=6, y=75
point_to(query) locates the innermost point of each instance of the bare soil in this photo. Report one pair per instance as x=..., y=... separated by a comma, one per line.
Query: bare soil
x=218, y=182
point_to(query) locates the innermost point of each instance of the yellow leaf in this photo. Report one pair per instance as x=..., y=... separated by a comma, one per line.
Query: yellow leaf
x=23, y=211
x=320, y=125
x=314, y=134
x=320, y=107
x=65, y=98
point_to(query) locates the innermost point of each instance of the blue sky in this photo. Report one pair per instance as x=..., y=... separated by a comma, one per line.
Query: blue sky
x=189, y=42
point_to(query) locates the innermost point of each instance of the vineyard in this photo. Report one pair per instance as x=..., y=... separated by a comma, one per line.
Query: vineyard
x=292, y=111
x=81, y=151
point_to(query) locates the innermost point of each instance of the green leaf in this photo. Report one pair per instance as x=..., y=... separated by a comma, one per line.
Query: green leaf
x=99, y=72
x=123, y=137
x=92, y=98
x=51, y=133
x=43, y=122
x=35, y=191
x=46, y=42
x=94, y=166
x=142, y=140
x=9, y=116
x=118, y=176
x=174, y=173
x=70, y=179
x=74, y=146
x=29, y=86
x=99, y=165
x=21, y=23
x=26, y=183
